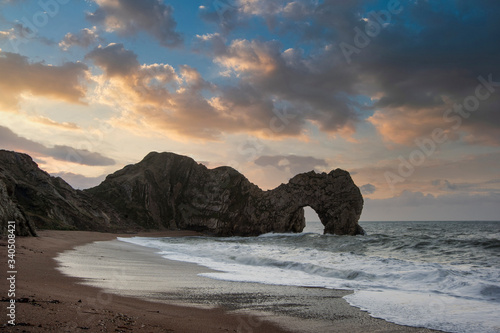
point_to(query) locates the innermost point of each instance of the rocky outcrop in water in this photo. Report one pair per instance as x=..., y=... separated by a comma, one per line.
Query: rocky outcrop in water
x=166, y=190
x=169, y=191
x=333, y=196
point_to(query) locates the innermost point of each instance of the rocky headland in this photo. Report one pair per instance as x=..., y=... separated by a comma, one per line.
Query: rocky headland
x=170, y=191
x=35, y=200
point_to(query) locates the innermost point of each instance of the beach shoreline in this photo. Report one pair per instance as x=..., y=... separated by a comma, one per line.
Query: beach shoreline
x=48, y=300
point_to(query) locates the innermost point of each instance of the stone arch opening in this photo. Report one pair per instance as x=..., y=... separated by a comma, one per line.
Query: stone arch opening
x=313, y=222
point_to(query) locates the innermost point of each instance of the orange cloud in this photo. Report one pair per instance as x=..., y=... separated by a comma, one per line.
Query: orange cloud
x=49, y=122
x=159, y=97
x=272, y=99
x=59, y=82
x=250, y=56
x=404, y=125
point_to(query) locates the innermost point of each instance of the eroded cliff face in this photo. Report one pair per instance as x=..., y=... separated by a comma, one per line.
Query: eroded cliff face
x=169, y=191
x=166, y=190
x=35, y=200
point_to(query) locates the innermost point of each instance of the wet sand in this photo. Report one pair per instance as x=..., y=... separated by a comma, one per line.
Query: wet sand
x=123, y=288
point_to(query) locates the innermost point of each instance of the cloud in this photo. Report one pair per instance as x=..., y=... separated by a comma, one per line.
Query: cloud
x=223, y=13
x=273, y=96
x=63, y=82
x=421, y=81
x=233, y=14
x=270, y=89
x=291, y=163
x=49, y=122
x=7, y=34
x=19, y=33
x=313, y=89
x=470, y=187
x=115, y=60
x=411, y=75
x=420, y=207
x=368, y=189
x=409, y=198
x=84, y=38
x=80, y=182
x=129, y=17
x=11, y=141
x=159, y=97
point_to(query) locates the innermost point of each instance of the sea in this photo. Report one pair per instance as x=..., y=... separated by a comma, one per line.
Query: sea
x=440, y=275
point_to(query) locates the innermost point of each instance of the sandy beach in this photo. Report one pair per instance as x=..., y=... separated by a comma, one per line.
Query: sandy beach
x=124, y=288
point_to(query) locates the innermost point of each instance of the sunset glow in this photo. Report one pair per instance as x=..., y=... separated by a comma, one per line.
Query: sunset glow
x=403, y=95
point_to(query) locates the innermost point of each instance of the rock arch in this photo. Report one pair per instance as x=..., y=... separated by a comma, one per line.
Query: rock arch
x=333, y=196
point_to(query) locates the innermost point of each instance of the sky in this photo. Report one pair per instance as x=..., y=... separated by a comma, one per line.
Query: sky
x=405, y=95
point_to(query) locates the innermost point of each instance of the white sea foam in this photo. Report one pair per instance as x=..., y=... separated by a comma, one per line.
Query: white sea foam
x=412, y=281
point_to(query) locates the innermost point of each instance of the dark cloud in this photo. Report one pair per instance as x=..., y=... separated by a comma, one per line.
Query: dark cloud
x=83, y=38
x=19, y=34
x=292, y=163
x=477, y=187
x=114, y=59
x=424, y=68
x=128, y=17
x=223, y=13
x=11, y=141
x=308, y=19
x=368, y=189
x=63, y=82
x=416, y=64
x=310, y=88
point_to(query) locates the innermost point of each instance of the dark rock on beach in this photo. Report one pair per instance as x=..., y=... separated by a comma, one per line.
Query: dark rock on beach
x=169, y=191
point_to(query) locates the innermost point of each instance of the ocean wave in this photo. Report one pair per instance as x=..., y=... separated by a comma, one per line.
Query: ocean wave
x=456, y=271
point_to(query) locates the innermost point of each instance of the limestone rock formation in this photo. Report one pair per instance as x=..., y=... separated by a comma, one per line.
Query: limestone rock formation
x=169, y=191
x=333, y=196
x=166, y=190
x=35, y=200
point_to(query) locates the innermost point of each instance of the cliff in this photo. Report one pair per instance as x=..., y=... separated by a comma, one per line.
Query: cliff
x=35, y=200
x=169, y=191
